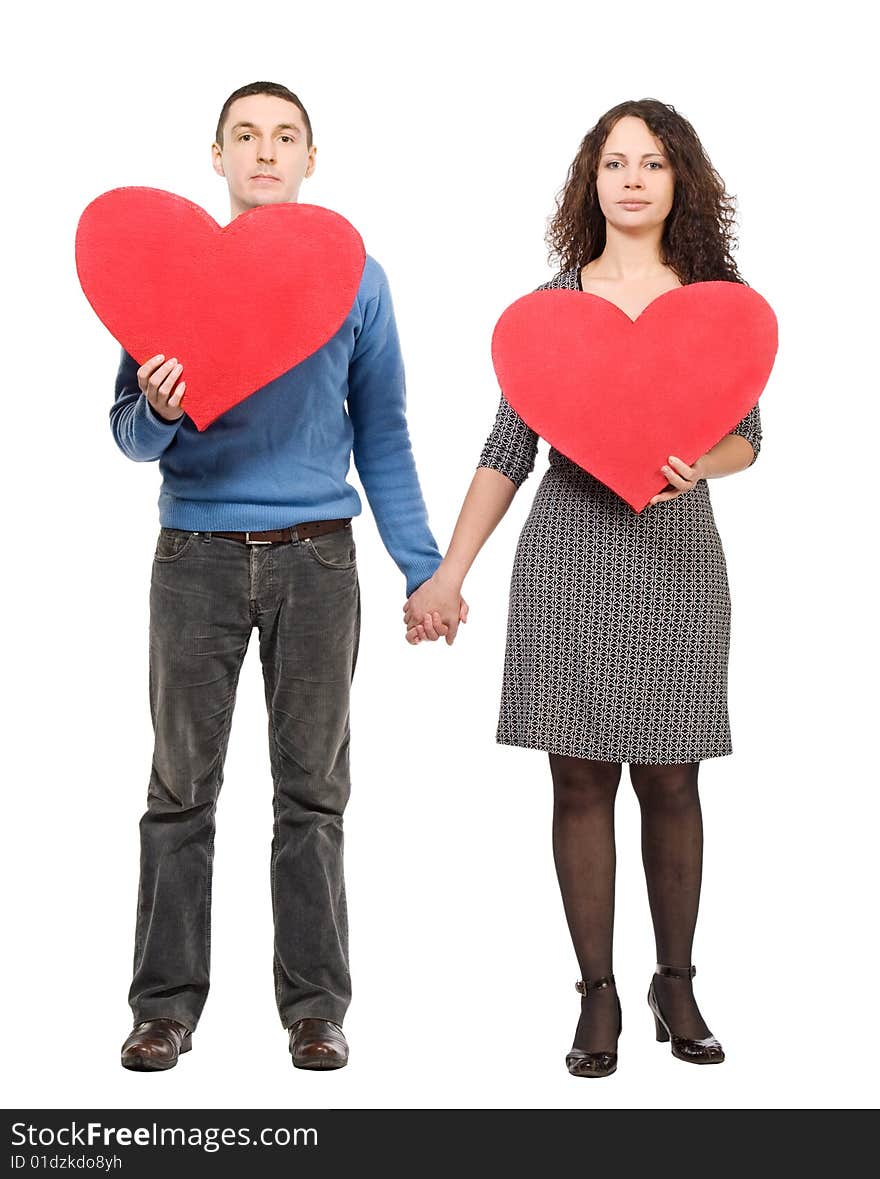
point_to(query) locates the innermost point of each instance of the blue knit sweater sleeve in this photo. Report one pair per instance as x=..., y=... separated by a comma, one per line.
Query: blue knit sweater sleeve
x=139, y=432
x=381, y=447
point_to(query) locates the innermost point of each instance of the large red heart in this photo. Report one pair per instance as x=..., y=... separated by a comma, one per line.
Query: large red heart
x=237, y=305
x=618, y=396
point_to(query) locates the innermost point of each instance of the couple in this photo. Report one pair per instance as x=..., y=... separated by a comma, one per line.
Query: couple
x=618, y=627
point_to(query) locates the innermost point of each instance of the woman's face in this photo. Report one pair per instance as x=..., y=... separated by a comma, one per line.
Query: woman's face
x=633, y=168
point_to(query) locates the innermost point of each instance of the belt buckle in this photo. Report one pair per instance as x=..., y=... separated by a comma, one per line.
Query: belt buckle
x=247, y=540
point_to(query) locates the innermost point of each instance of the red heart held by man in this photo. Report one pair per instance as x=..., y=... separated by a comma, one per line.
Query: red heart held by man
x=618, y=396
x=237, y=305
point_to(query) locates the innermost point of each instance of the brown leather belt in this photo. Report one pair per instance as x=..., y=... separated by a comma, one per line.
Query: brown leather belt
x=286, y=535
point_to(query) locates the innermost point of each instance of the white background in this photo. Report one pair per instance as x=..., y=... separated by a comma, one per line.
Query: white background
x=444, y=133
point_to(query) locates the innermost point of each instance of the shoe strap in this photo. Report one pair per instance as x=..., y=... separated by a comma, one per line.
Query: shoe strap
x=676, y=971
x=584, y=985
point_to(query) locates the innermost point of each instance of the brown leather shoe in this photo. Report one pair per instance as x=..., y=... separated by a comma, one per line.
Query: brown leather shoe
x=318, y=1043
x=155, y=1045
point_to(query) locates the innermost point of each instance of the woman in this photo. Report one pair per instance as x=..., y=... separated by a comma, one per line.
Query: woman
x=619, y=623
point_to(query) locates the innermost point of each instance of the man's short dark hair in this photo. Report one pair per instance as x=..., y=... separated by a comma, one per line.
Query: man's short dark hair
x=273, y=88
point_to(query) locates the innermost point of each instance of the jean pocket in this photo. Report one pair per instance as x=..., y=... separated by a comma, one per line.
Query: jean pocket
x=172, y=543
x=334, y=550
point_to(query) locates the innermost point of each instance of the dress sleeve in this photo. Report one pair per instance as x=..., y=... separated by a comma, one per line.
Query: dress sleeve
x=511, y=446
x=750, y=429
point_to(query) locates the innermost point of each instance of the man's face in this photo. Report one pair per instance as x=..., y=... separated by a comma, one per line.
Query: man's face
x=265, y=156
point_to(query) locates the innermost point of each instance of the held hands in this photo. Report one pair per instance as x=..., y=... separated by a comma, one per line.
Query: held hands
x=681, y=477
x=434, y=610
x=157, y=380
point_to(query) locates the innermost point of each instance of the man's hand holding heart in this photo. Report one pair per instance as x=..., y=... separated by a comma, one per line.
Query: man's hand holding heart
x=159, y=381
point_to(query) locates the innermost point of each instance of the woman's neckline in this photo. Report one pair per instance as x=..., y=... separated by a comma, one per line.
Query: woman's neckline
x=578, y=270
x=611, y=303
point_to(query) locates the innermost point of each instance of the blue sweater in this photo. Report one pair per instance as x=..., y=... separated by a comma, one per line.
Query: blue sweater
x=282, y=455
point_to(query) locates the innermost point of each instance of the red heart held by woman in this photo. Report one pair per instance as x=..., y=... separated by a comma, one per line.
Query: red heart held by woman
x=618, y=396
x=237, y=305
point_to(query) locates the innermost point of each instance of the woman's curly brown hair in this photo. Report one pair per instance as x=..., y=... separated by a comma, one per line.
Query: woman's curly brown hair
x=698, y=233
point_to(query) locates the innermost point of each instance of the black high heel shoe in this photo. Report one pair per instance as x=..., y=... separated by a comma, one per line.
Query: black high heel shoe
x=594, y=1064
x=705, y=1051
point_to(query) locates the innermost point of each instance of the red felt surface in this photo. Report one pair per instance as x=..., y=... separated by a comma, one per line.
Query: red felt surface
x=237, y=305
x=618, y=397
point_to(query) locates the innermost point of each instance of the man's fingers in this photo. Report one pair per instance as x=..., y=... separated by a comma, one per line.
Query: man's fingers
x=160, y=383
x=147, y=368
x=170, y=381
x=158, y=375
x=431, y=620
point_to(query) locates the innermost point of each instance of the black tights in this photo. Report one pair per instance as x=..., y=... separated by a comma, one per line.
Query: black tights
x=672, y=853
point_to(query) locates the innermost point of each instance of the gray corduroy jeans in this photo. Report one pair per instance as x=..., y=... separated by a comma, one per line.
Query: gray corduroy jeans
x=207, y=594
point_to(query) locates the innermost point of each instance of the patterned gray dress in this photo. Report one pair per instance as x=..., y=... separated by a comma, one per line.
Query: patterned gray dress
x=619, y=624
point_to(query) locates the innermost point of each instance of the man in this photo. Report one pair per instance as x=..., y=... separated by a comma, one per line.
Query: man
x=256, y=531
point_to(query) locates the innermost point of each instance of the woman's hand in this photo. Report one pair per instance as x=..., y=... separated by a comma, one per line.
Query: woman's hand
x=682, y=478
x=434, y=610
